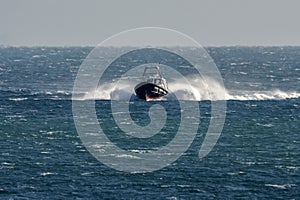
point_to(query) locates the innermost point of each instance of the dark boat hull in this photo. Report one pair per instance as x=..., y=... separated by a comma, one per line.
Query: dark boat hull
x=147, y=91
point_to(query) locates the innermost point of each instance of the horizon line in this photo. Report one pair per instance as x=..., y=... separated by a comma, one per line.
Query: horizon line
x=113, y=46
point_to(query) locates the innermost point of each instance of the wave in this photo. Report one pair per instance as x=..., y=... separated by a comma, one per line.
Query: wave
x=196, y=90
x=178, y=90
x=274, y=94
x=26, y=94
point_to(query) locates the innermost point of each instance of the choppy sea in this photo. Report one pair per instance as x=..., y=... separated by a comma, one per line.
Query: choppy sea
x=257, y=155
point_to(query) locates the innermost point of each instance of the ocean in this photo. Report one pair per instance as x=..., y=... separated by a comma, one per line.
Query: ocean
x=257, y=155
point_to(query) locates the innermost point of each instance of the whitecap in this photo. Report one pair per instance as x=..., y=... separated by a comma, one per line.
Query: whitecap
x=18, y=99
x=47, y=173
x=127, y=156
x=283, y=186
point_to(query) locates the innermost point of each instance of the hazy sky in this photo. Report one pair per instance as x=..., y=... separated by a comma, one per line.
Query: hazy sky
x=210, y=22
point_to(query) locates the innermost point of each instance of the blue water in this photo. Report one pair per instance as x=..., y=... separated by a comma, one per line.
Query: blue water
x=257, y=155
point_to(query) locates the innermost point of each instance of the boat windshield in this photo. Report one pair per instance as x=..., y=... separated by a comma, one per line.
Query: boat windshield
x=155, y=77
x=157, y=81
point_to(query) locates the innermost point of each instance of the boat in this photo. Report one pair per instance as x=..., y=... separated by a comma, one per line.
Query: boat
x=154, y=86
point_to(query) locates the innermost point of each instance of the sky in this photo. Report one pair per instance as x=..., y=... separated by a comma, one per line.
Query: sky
x=209, y=22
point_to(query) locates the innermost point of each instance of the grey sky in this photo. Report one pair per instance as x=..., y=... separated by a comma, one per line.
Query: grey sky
x=88, y=22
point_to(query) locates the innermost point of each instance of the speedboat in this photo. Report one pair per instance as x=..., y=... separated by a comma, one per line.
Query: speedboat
x=154, y=86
